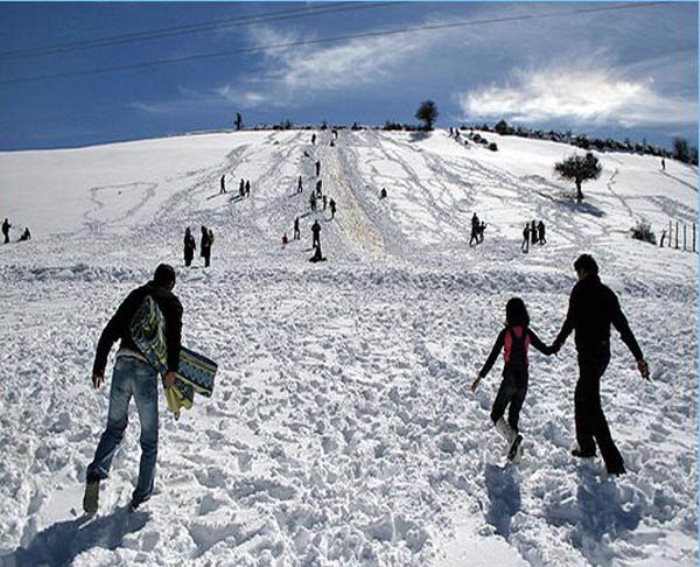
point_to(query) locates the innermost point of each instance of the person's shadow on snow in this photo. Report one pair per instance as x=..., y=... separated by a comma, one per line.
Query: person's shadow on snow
x=601, y=511
x=504, y=494
x=61, y=543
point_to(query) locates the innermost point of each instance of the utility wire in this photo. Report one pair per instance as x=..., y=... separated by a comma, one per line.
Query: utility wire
x=192, y=28
x=410, y=29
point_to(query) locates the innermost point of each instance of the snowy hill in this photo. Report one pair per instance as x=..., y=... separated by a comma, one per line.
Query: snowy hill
x=342, y=429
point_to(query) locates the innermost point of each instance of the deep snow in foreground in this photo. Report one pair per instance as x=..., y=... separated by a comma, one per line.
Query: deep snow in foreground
x=342, y=429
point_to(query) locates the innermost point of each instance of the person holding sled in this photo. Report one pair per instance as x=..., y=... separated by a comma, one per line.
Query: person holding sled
x=133, y=376
x=593, y=307
x=190, y=247
x=515, y=339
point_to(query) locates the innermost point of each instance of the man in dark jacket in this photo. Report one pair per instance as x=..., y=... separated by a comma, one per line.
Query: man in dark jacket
x=134, y=376
x=592, y=308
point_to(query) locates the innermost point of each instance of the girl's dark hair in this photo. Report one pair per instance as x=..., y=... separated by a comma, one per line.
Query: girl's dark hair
x=516, y=312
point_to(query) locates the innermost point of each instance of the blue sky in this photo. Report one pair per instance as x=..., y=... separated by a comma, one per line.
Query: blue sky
x=621, y=73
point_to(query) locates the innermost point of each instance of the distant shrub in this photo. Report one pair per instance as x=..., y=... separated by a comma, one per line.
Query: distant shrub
x=502, y=128
x=643, y=232
x=493, y=147
x=389, y=125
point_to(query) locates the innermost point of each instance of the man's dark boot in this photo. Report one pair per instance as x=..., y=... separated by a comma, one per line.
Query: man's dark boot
x=581, y=455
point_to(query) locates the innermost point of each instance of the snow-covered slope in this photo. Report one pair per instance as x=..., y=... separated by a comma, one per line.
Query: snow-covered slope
x=342, y=429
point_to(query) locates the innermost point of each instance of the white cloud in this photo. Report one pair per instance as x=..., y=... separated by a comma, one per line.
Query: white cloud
x=586, y=95
x=310, y=70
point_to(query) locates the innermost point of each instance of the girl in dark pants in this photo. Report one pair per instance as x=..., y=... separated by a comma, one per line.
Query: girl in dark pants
x=515, y=339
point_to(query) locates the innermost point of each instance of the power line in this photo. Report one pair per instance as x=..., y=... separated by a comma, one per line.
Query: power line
x=410, y=29
x=192, y=28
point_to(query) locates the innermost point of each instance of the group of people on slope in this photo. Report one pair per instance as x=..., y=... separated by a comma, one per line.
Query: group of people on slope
x=6, y=226
x=243, y=187
x=593, y=307
x=205, y=247
x=533, y=232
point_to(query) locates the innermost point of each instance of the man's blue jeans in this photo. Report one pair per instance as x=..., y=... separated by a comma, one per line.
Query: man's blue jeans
x=131, y=377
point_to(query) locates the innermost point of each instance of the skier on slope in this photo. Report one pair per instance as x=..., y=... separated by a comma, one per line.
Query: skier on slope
x=515, y=339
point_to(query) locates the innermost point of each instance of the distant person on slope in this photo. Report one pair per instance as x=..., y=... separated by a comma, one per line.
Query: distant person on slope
x=207, y=242
x=316, y=234
x=331, y=204
x=533, y=231
x=515, y=339
x=6, y=230
x=593, y=307
x=475, y=221
x=190, y=246
x=222, y=189
x=247, y=188
x=134, y=376
x=300, y=186
x=297, y=233
x=525, y=246
x=541, y=233
x=474, y=239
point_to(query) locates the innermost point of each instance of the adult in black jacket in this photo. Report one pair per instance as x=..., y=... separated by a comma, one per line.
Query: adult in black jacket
x=593, y=307
x=134, y=376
